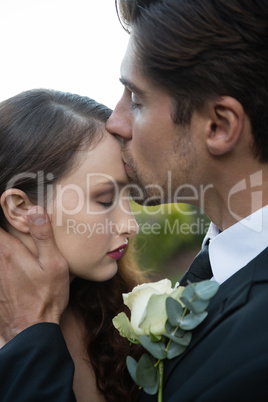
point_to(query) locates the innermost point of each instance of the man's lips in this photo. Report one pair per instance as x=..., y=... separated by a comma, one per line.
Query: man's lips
x=118, y=252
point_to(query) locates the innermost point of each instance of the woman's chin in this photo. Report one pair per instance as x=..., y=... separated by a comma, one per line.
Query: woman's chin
x=100, y=274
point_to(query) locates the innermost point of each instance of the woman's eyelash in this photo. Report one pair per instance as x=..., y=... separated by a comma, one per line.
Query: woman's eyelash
x=106, y=204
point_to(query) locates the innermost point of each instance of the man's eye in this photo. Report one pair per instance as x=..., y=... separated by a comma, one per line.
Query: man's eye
x=135, y=106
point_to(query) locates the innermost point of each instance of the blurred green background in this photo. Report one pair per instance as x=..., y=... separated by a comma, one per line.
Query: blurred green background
x=169, y=238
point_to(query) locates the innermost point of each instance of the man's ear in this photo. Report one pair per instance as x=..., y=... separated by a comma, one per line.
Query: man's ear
x=15, y=204
x=226, y=125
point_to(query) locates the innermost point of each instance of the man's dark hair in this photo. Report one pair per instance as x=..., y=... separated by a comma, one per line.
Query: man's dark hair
x=198, y=50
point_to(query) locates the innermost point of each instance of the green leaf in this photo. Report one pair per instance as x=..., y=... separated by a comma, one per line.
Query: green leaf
x=153, y=390
x=187, y=303
x=189, y=291
x=174, y=311
x=205, y=290
x=175, y=350
x=183, y=341
x=171, y=330
x=157, y=349
x=146, y=372
x=196, y=305
x=191, y=321
x=132, y=367
x=191, y=298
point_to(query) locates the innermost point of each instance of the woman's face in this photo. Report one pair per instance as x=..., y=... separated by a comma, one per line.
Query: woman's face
x=90, y=213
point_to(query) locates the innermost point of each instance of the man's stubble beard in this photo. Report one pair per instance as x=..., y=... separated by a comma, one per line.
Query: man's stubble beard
x=145, y=192
x=141, y=193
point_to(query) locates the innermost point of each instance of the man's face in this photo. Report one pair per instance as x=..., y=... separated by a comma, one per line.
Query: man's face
x=160, y=156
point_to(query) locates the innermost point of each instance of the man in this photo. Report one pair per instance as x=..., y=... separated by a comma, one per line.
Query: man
x=195, y=106
x=193, y=113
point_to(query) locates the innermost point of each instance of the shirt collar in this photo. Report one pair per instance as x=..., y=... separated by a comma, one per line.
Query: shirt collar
x=235, y=247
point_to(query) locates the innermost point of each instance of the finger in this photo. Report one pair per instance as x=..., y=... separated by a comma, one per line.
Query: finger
x=40, y=228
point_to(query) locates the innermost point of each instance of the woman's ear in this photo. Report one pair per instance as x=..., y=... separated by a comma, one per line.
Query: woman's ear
x=15, y=205
x=226, y=126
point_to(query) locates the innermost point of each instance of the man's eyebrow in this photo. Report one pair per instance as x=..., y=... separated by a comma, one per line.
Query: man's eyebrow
x=131, y=86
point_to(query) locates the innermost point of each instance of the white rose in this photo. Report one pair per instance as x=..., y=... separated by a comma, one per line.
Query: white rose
x=147, y=303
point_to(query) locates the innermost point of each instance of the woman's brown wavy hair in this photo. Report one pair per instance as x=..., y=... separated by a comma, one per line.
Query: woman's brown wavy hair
x=40, y=134
x=97, y=304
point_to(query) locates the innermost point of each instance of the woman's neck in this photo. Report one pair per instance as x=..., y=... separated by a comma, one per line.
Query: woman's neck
x=84, y=384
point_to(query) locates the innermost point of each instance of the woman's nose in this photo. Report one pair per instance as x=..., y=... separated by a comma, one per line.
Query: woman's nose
x=133, y=228
x=128, y=225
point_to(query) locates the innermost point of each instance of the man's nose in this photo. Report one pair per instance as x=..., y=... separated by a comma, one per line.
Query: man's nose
x=119, y=122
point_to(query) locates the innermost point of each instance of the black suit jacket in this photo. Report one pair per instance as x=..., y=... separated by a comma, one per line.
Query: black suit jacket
x=36, y=367
x=227, y=359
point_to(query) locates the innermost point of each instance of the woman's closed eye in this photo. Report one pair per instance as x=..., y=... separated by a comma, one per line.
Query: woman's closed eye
x=107, y=199
x=106, y=204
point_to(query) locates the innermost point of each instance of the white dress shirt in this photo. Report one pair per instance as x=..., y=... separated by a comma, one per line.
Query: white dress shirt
x=235, y=247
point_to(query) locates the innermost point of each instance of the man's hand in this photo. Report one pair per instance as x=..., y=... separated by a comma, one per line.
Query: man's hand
x=32, y=289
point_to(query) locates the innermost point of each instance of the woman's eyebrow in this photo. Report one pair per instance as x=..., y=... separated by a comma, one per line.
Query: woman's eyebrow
x=109, y=183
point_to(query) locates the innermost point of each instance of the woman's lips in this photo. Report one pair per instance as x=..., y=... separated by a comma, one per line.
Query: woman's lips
x=117, y=253
x=127, y=168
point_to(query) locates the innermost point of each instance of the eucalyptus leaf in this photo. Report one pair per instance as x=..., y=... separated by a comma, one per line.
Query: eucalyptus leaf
x=169, y=328
x=205, y=290
x=174, y=311
x=187, y=303
x=157, y=349
x=183, y=341
x=175, y=350
x=152, y=390
x=197, y=305
x=146, y=372
x=191, y=321
x=189, y=292
x=172, y=330
x=132, y=367
x=195, y=295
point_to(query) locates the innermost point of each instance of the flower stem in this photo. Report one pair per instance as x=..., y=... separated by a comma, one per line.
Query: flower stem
x=161, y=376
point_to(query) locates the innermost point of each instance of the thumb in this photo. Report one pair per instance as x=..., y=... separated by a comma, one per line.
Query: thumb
x=42, y=234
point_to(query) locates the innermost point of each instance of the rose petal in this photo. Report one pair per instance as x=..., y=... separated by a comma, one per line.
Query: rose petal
x=138, y=299
x=155, y=315
x=123, y=325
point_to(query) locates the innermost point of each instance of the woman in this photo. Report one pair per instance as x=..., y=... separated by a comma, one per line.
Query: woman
x=55, y=152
